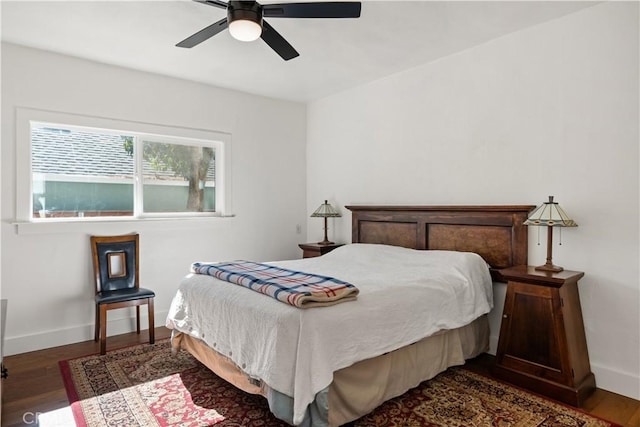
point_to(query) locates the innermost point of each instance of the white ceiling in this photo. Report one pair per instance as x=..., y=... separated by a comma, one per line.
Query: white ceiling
x=335, y=54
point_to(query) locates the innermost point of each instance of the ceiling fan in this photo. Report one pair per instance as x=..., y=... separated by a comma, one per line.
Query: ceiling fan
x=245, y=21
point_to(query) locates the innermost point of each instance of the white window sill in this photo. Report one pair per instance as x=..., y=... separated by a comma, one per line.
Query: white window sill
x=89, y=225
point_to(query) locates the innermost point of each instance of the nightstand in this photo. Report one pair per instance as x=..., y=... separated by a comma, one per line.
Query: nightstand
x=542, y=344
x=310, y=250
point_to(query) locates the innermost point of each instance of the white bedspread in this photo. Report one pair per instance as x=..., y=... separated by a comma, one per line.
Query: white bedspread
x=405, y=295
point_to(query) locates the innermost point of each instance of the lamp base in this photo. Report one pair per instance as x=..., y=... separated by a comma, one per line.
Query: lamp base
x=549, y=267
x=325, y=242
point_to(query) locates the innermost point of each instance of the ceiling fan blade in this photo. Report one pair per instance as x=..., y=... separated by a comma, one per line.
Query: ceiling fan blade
x=204, y=34
x=337, y=9
x=277, y=42
x=215, y=3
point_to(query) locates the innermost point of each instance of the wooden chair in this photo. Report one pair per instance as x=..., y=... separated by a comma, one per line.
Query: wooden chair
x=117, y=284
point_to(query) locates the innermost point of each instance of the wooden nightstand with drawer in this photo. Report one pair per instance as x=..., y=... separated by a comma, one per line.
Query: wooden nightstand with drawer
x=542, y=344
x=310, y=250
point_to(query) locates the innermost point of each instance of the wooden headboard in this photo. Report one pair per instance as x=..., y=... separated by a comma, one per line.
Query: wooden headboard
x=496, y=233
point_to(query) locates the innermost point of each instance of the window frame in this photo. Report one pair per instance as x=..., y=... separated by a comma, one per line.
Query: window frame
x=25, y=117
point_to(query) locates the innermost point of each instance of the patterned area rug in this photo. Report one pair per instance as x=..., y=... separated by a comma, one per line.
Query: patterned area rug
x=146, y=385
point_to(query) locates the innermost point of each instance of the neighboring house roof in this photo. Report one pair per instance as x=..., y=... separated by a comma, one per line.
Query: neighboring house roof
x=70, y=152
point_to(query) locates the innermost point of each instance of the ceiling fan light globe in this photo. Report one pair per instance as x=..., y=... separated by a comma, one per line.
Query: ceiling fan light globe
x=245, y=30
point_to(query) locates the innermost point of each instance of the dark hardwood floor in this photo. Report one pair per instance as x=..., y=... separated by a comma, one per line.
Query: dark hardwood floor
x=35, y=385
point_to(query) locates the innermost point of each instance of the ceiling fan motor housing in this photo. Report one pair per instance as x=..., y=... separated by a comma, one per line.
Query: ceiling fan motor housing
x=247, y=10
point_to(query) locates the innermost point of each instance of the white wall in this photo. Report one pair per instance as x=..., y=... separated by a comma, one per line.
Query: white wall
x=551, y=110
x=46, y=275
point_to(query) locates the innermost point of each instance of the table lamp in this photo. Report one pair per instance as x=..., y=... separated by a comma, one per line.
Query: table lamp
x=552, y=215
x=325, y=211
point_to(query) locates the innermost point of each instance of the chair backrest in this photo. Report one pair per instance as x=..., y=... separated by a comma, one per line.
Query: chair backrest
x=115, y=262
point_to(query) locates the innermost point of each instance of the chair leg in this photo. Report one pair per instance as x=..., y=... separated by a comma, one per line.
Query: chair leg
x=103, y=329
x=97, y=324
x=151, y=322
x=138, y=319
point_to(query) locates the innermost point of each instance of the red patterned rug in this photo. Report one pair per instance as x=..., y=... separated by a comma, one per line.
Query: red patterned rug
x=146, y=385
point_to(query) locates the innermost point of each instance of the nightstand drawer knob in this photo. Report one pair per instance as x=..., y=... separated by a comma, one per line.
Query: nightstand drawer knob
x=504, y=316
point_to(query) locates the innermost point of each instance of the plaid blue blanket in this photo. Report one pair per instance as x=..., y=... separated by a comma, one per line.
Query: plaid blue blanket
x=296, y=288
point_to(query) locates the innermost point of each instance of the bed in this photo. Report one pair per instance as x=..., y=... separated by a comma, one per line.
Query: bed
x=328, y=366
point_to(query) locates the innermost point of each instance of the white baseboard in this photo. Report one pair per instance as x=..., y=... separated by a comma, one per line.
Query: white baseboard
x=58, y=337
x=624, y=383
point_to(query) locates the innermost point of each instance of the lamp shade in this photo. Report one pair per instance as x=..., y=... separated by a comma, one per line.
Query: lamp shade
x=550, y=214
x=325, y=211
x=245, y=30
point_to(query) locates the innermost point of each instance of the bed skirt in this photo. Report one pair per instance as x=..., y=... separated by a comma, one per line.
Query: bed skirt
x=363, y=386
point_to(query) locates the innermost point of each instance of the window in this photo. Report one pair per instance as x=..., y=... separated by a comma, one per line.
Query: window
x=78, y=171
x=177, y=177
